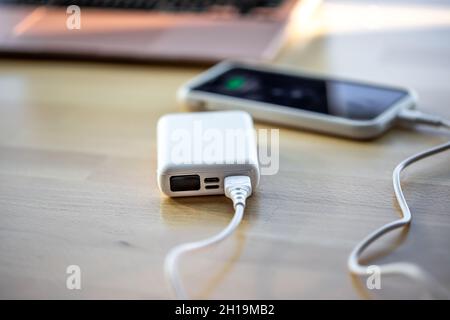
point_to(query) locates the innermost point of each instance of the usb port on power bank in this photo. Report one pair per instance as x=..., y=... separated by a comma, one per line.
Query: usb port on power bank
x=211, y=180
x=185, y=183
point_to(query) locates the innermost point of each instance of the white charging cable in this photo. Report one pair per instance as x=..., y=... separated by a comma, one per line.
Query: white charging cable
x=408, y=269
x=238, y=189
x=412, y=116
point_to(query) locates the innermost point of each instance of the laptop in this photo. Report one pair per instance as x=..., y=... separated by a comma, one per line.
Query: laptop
x=144, y=30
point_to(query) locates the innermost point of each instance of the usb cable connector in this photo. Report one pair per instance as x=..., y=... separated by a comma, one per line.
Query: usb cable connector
x=238, y=189
x=412, y=116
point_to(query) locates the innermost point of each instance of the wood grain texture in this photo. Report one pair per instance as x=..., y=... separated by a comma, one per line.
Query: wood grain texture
x=78, y=184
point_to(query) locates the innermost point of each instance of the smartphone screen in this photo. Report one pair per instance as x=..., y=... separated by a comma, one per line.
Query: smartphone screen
x=345, y=99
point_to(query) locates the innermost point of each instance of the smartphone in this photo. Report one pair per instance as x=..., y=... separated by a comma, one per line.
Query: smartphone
x=341, y=107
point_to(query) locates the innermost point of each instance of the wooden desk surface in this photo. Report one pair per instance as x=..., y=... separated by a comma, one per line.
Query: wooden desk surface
x=77, y=175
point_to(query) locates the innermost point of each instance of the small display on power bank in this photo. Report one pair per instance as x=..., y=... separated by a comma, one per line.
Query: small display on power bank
x=326, y=96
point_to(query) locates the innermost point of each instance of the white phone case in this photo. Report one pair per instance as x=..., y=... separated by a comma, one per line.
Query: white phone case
x=357, y=129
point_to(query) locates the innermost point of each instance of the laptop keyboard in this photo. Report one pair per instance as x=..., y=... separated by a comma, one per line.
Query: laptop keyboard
x=241, y=6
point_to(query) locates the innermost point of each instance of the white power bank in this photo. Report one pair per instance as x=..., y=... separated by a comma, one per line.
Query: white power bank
x=197, y=150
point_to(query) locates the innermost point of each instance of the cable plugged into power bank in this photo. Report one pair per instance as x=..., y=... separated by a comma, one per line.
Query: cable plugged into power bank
x=206, y=153
x=238, y=189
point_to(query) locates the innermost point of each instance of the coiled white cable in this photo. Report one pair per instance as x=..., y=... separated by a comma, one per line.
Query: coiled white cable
x=408, y=269
x=237, y=188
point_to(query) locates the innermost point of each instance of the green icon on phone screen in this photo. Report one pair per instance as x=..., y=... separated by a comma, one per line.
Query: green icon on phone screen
x=235, y=83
